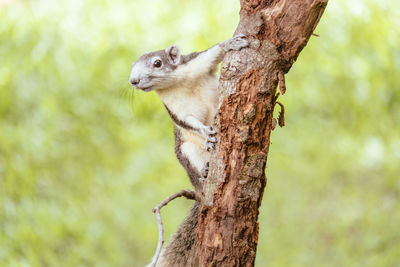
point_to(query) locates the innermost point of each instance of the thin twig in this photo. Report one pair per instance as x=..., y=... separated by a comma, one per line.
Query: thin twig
x=315, y=34
x=184, y=193
x=276, y=97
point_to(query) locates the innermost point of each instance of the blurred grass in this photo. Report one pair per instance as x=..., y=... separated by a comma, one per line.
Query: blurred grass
x=83, y=158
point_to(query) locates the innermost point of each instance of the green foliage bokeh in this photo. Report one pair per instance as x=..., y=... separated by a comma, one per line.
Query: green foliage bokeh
x=84, y=158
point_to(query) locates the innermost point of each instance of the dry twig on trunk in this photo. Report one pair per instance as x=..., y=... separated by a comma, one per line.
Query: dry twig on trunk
x=184, y=193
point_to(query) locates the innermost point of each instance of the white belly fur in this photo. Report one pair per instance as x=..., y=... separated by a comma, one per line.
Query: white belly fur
x=198, y=100
x=193, y=147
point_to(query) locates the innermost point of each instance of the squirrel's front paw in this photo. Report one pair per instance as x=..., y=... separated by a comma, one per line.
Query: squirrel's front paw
x=209, y=133
x=237, y=42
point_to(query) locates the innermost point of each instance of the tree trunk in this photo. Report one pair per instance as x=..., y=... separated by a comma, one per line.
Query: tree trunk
x=278, y=30
x=227, y=227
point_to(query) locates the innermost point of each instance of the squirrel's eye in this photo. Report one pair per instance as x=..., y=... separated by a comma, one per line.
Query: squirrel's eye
x=157, y=63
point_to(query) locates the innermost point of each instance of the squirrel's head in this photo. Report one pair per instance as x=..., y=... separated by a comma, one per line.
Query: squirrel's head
x=155, y=70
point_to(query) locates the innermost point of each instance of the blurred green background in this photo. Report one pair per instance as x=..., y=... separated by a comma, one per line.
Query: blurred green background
x=84, y=158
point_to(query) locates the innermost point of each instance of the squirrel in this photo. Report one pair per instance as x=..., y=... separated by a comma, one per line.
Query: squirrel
x=188, y=87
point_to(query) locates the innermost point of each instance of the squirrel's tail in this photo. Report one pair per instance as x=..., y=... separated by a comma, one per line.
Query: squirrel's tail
x=181, y=249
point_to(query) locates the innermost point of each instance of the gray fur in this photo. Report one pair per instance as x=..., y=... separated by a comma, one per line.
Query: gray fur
x=178, y=121
x=187, y=58
x=194, y=175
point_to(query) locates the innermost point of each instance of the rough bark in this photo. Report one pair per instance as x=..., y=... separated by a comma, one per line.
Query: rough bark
x=227, y=227
x=278, y=30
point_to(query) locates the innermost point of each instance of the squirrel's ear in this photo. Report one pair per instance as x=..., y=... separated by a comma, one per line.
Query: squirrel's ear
x=173, y=54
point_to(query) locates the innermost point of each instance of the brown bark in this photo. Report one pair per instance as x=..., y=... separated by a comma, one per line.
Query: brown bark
x=277, y=30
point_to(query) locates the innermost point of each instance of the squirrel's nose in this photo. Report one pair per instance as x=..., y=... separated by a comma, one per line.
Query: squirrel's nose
x=134, y=81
